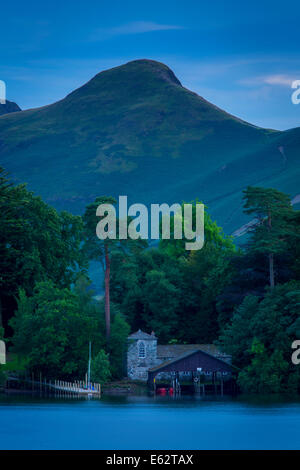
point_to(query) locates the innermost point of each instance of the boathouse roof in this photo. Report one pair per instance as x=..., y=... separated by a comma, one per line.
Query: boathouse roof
x=191, y=360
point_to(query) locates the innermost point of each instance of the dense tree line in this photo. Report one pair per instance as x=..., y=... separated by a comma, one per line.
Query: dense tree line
x=259, y=337
x=172, y=291
x=36, y=243
x=246, y=298
x=50, y=313
x=260, y=309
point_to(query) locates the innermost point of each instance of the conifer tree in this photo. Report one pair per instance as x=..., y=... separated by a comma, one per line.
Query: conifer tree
x=273, y=225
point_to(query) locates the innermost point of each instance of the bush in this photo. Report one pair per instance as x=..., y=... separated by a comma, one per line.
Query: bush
x=100, y=369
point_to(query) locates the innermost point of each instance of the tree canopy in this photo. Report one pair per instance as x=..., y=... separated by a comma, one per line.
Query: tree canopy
x=36, y=242
x=245, y=299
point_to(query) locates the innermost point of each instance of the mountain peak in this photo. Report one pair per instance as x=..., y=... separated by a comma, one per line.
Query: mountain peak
x=154, y=67
x=9, y=107
x=128, y=82
x=135, y=130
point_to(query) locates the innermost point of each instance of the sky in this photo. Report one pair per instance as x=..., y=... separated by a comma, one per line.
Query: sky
x=241, y=56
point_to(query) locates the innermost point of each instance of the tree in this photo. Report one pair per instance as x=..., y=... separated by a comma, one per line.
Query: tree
x=171, y=290
x=260, y=336
x=160, y=316
x=53, y=331
x=205, y=274
x=237, y=336
x=103, y=249
x=98, y=249
x=100, y=368
x=173, y=294
x=36, y=242
x=249, y=277
x=250, y=269
x=273, y=213
x=144, y=284
x=213, y=235
x=265, y=373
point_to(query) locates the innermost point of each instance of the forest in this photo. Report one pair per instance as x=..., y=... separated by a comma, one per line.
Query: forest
x=243, y=297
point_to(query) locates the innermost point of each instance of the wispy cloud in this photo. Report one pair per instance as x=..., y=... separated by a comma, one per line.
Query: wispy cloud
x=281, y=80
x=135, y=27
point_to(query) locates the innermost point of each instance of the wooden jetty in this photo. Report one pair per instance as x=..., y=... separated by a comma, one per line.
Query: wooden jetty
x=56, y=387
x=77, y=387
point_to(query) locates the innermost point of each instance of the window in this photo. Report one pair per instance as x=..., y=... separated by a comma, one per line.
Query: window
x=142, y=350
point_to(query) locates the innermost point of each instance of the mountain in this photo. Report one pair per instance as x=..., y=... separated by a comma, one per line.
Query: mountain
x=135, y=130
x=9, y=107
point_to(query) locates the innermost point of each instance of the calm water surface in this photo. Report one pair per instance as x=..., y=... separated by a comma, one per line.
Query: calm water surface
x=149, y=423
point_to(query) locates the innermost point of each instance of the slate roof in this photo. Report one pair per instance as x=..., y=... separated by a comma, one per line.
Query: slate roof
x=188, y=353
x=142, y=335
x=177, y=358
x=171, y=351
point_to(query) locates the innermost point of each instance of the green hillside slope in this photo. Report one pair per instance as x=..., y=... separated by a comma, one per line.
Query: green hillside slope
x=136, y=130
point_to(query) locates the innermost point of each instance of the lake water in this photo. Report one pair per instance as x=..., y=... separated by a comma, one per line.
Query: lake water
x=149, y=423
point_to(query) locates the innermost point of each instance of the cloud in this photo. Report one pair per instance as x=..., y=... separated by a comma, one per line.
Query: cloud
x=278, y=80
x=281, y=80
x=135, y=27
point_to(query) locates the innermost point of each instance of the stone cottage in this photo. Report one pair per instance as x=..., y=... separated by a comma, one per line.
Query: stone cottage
x=144, y=354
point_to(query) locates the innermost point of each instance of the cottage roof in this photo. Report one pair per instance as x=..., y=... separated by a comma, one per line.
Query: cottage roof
x=188, y=353
x=170, y=351
x=142, y=335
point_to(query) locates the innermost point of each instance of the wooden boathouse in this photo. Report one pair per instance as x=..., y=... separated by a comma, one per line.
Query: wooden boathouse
x=195, y=364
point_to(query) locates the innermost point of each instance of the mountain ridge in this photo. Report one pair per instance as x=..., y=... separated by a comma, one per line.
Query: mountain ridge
x=136, y=130
x=9, y=107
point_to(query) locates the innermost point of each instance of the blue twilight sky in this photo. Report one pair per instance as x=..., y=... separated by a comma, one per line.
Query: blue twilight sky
x=240, y=55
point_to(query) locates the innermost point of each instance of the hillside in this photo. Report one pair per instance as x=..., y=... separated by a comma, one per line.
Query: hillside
x=136, y=130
